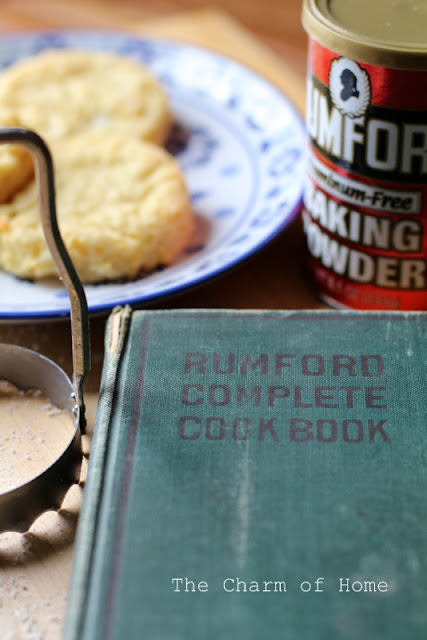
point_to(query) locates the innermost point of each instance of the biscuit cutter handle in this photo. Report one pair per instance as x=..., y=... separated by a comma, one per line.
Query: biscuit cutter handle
x=67, y=272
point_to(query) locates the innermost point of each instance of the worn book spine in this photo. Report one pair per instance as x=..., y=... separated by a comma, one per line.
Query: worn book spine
x=116, y=332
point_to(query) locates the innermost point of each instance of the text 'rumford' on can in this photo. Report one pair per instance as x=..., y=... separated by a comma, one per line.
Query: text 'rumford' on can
x=365, y=199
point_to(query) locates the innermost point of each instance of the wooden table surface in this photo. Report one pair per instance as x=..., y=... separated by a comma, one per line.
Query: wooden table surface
x=265, y=34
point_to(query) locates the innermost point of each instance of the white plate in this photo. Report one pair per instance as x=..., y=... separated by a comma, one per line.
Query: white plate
x=239, y=142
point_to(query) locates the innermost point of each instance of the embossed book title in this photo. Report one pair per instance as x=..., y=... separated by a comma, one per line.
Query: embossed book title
x=284, y=397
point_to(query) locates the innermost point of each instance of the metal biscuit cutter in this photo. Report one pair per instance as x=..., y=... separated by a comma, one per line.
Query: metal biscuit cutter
x=25, y=368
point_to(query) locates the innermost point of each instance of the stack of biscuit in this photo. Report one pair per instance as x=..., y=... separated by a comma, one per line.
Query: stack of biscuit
x=122, y=203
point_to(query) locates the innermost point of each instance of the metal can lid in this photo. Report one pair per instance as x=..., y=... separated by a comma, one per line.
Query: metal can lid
x=388, y=33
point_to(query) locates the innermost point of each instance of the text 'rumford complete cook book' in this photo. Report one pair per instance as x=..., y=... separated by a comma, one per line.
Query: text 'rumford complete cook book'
x=256, y=476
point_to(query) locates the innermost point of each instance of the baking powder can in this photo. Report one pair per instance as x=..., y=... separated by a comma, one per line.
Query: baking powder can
x=365, y=198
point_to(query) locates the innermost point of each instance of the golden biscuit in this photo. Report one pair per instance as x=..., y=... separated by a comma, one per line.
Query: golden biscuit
x=122, y=207
x=65, y=91
x=16, y=164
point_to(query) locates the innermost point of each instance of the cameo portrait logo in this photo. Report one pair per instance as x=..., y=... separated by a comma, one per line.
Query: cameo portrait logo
x=349, y=87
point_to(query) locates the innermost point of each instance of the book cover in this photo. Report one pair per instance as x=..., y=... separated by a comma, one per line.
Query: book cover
x=256, y=475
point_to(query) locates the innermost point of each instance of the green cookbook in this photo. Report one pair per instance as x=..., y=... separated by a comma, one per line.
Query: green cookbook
x=256, y=476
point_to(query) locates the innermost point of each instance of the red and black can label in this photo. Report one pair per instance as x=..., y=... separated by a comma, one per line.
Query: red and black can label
x=365, y=200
